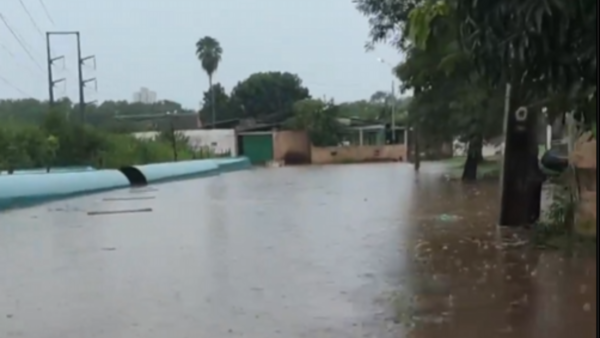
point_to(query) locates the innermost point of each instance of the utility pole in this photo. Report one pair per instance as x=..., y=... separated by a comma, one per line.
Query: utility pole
x=50, y=60
x=393, y=112
x=80, y=62
x=521, y=178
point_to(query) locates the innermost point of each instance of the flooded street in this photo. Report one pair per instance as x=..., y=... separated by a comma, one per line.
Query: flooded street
x=336, y=251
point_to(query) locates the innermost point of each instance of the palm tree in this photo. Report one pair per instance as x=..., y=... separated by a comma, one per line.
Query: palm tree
x=209, y=51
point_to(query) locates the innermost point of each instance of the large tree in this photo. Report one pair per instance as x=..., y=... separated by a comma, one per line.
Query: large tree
x=209, y=52
x=268, y=93
x=454, y=99
x=450, y=99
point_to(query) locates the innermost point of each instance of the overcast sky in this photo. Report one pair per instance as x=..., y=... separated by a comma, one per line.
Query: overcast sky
x=150, y=43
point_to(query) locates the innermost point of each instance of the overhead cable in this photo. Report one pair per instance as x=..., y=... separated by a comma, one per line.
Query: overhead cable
x=20, y=41
x=47, y=12
x=8, y=83
x=35, y=25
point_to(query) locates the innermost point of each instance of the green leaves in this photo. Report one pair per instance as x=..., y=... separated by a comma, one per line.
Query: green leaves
x=549, y=46
x=268, y=93
x=209, y=52
x=420, y=21
x=320, y=119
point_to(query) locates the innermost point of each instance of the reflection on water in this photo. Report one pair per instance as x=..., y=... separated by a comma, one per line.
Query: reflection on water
x=470, y=279
x=334, y=251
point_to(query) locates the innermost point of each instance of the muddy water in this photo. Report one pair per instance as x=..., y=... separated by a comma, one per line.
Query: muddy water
x=339, y=251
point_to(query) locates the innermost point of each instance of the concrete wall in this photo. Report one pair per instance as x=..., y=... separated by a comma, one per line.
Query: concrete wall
x=357, y=154
x=219, y=140
x=291, y=147
x=584, y=157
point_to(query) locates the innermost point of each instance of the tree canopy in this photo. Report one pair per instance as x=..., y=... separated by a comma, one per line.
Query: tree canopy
x=209, y=52
x=268, y=93
x=320, y=120
x=460, y=54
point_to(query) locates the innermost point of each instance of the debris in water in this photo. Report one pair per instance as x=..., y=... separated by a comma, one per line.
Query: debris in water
x=114, y=212
x=448, y=218
x=129, y=198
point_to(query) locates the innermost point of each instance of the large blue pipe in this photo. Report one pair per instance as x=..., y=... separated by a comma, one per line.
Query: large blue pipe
x=26, y=190
x=233, y=164
x=163, y=172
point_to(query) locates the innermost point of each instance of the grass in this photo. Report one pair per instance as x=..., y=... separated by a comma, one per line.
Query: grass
x=489, y=168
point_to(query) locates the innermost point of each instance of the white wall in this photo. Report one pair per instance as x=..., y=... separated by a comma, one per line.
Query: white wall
x=460, y=149
x=219, y=140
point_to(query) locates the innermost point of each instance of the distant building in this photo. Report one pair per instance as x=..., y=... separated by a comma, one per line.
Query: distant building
x=145, y=95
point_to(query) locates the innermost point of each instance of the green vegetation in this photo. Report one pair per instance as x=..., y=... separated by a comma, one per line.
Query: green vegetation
x=32, y=135
x=460, y=54
x=320, y=119
x=488, y=168
x=56, y=142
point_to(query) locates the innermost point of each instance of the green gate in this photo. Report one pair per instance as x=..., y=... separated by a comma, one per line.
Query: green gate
x=258, y=148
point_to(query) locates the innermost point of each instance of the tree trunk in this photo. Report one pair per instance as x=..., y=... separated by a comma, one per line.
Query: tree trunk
x=212, y=99
x=417, y=149
x=474, y=157
x=174, y=141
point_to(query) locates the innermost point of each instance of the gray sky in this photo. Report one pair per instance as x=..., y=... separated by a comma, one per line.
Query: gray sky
x=150, y=43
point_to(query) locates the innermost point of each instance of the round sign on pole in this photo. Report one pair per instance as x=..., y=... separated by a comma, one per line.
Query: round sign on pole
x=521, y=114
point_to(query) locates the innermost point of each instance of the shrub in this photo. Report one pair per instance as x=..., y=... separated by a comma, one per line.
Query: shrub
x=60, y=143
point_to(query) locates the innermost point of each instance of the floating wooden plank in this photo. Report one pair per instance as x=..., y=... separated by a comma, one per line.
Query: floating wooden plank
x=108, y=199
x=114, y=212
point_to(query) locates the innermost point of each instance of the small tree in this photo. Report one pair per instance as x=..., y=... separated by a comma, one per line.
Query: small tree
x=50, y=150
x=320, y=120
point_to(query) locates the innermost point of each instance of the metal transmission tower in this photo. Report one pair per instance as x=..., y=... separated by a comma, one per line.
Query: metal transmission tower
x=80, y=62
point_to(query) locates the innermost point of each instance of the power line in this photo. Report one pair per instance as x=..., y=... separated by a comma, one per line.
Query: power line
x=47, y=12
x=21, y=43
x=8, y=83
x=31, y=18
x=17, y=60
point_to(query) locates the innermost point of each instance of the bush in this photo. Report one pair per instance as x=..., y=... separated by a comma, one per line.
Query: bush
x=60, y=143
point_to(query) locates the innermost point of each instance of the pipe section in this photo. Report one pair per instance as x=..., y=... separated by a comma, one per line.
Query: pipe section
x=140, y=175
x=27, y=190
x=34, y=188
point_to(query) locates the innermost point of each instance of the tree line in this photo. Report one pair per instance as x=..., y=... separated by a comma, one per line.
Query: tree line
x=56, y=141
x=267, y=93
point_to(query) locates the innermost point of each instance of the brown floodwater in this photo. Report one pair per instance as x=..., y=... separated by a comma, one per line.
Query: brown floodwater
x=332, y=251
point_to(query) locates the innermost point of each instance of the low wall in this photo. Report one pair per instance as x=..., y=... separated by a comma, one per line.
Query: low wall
x=357, y=154
x=291, y=147
x=26, y=190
